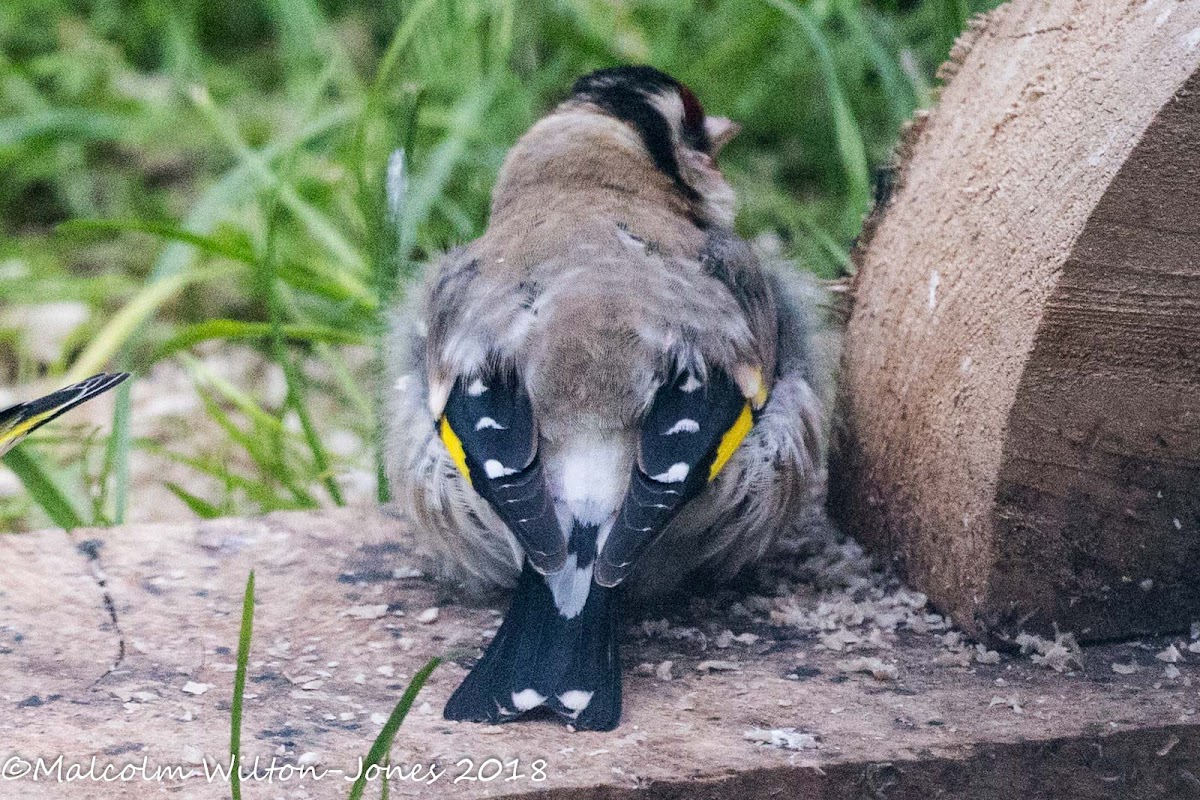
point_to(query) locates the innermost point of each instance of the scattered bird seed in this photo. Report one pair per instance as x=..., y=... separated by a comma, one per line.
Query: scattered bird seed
x=875, y=667
x=1171, y=655
x=786, y=738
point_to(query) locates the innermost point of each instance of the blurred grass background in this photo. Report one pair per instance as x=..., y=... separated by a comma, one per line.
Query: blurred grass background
x=201, y=182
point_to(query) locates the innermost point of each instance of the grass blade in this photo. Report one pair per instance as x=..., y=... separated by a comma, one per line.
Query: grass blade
x=900, y=95
x=239, y=690
x=323, y=229
x=383, y=742
x=851, y=150
x=268, y=279
x=207, y=244
x=953, y=19
x=124, y=325
x=43, y=487
x=116, y=454
x=236, y=330
x=198, y=505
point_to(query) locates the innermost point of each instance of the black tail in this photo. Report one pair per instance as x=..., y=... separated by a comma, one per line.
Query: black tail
x=541, y=658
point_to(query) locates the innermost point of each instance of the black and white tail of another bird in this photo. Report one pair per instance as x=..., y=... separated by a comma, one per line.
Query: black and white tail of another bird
x=18, y=421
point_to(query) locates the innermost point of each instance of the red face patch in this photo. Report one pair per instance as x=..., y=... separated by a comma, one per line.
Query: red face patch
x=693, y=112
x=694, y=133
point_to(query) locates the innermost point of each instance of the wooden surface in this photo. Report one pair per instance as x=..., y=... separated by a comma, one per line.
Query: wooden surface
x=1022, y=365
x=329, y=610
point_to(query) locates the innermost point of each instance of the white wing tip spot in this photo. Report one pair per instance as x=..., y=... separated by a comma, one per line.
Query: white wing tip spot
x=676, y=474
x=683, y=426
x=527, y=699
x=495, y=469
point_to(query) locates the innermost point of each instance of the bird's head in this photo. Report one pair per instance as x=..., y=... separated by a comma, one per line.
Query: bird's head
x=632, y=125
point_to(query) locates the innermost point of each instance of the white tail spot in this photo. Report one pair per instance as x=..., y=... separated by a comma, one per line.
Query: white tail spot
x=576, y=699
x=527, y=699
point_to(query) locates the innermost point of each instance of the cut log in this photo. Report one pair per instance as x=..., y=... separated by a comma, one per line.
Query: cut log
x=1022, y=366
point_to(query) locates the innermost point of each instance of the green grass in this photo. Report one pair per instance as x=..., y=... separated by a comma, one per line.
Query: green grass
x=245, y=635
x=379, y=752
x=209, y=174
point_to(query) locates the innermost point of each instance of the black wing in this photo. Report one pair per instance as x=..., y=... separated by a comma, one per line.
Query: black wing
x=691, y=429
x=489, y=430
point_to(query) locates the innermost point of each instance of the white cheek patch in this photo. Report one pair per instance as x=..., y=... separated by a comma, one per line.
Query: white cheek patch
x=676, y=474
x=527, y=699
x=670, y=105
x=495, y=469
x=683, y=426
x=488, y=422
x=570, y=587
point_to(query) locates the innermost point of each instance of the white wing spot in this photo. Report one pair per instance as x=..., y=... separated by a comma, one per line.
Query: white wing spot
x=488, y=422
x=691, y=384
x=676, y=474
x=495, y=469
x=527, y=699
x=683, y=426
x=476, y=388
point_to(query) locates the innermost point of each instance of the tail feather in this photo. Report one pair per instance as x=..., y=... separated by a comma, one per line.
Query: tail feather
x=17, y=422
x=540, y=658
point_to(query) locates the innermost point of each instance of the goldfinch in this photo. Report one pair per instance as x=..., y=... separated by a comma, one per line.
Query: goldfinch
x=606, y=392
x=18, y=421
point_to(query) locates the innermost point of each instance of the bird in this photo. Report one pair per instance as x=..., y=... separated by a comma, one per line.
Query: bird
x=18, y=421
x=606, y=397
